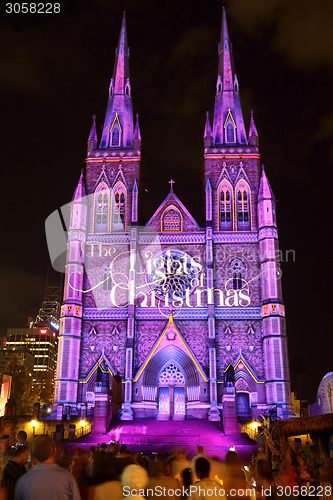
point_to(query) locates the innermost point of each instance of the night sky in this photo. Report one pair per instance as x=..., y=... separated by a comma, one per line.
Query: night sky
x=55, y=76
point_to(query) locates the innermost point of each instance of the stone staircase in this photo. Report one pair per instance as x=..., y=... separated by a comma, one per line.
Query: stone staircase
x=157, y=436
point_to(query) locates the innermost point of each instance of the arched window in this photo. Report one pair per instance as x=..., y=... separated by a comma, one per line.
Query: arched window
x=230, y=133
x=243, y=206
x=106, y=280
x=101, y=208
x=172, y=219
x=119, y=207
x=225, y=206
x=115, y=136
x=171, y=375
x=237, y=272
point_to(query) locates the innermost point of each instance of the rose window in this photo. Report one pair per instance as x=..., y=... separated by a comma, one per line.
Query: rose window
x=172, y=376
x=173, y=274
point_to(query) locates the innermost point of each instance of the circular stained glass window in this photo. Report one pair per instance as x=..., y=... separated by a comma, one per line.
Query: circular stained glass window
x=173, y=274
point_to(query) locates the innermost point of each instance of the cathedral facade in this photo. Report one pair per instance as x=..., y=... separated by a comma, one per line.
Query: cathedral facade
x=171, y=320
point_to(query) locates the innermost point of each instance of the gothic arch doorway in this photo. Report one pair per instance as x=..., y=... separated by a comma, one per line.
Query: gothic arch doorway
x=171, y=393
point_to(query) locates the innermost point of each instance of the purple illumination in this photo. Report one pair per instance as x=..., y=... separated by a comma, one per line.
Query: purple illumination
x=158, y=315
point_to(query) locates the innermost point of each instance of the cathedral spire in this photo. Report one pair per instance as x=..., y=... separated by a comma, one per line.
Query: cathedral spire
x=92, y=140
x=228, y=124
x=253, y=134
x=208, y=139
x=118, y=124
x=80, y=190
x=265, y=190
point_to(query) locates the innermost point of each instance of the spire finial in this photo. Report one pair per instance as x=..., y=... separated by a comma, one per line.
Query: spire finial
x=208, y=130
x=227, y=93
x=171, y=182
x=120, y=100
x=137, y=133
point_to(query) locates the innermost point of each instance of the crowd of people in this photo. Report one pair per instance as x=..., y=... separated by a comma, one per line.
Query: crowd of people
x=112, y=472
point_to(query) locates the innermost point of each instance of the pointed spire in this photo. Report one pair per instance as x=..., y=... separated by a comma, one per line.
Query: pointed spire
x=208, y=130
x=208, y=137
x=93, y=133
x=253, y=134
x=208, y=203
x=265, y=190
x=80, y=190
x=119, y=113
x=227, y=104
x=121, y=68
x=92, y=139
x=137, y=133
x=225, y=67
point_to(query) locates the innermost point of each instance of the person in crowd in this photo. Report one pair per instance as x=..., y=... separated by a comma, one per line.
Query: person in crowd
x=100, y=457
x=22, y=438
x=46, y=480
x=180, y=463
x=187, y=481
x=108, y=488
x=288, y=474
x=159, y=475
x=90, y=465
x=134, y=480
x=65, y=460
x=139, y=459
x=307, y=449
x=14, y=469
x=265, y=486
x=113, y=449
x=304, y=478
x=234, y=475
x=79, y=469
x=261, y=453
x=200, y=453
x=205, y=487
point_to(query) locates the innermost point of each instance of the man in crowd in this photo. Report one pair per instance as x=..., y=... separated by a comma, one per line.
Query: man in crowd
x=46, y=480
x=14, y=469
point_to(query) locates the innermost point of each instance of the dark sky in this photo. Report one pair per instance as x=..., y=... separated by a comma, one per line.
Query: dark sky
x=55, y=75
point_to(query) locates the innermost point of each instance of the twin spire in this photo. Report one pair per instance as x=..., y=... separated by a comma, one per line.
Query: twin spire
x=228, y=124
x=118, y=129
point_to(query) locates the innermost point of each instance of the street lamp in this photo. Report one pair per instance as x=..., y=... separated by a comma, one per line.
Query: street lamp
x=33, y=425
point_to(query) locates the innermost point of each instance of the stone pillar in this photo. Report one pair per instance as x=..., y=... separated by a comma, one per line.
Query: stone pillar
x=103, y=410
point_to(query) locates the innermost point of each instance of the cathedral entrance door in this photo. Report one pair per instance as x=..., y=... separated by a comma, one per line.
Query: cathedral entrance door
x=179, y=403
x=171, y=394
x=163, y=403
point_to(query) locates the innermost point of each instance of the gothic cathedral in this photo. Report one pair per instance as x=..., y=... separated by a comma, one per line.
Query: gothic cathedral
x=171, y=320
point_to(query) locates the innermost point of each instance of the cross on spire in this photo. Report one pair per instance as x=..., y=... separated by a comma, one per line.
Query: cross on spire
x=171, y=182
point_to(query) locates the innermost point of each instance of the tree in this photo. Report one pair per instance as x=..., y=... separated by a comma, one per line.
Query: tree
x=44, y=384
x=23, y=392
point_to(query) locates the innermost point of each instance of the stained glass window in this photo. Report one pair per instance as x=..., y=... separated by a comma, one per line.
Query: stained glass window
x=101, y=208
x=172, y=220
x=171, y=375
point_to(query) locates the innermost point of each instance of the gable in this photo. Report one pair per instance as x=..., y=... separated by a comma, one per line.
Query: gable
x=172, y=217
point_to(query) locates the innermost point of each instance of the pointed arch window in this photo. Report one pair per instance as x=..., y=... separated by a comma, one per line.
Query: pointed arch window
x=243, y=206
x=238, y=273
x=172, y=220
x=230, y=133
x=225, y=206
x=106, y=280
x=119, y=207
x=102, y=195
x=115, y=136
